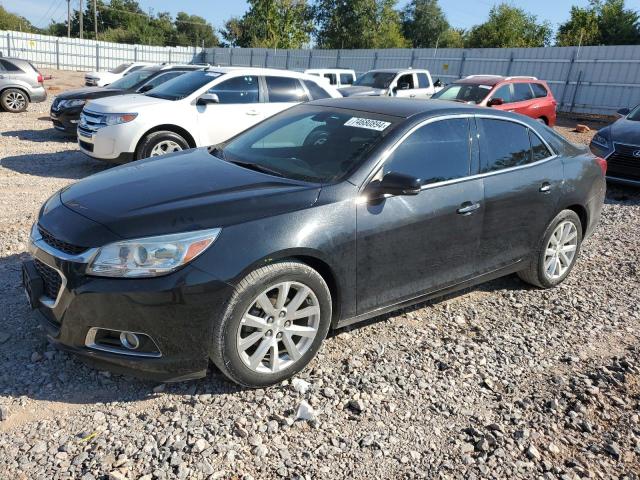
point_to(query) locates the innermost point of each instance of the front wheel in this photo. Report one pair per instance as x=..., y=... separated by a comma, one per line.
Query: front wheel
x=273, y=325
x=161, y=143
x=557, y=252
x=14, y=100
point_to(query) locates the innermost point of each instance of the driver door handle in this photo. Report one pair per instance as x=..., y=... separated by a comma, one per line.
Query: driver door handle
x=545, y=187
x=467, y=208
x=252, y=112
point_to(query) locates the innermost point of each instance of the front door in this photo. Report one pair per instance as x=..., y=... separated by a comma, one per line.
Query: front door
x=522, y=188
x=239, y=109
x=409, y=245
x=406, y=86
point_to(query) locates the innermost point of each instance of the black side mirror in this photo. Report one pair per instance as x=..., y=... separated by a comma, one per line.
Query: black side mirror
x=395, y=184
x=623, y=112
x=495, y=102
x=145, y=88
x=208, y=98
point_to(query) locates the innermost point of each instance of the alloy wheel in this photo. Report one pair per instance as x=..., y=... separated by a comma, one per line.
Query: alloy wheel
x=15, y=101
x=164, y=147
x=279, y=327
x=561, y=250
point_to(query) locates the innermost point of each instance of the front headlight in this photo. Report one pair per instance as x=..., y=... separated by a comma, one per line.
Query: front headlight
x=600, y=140
x=118, y=118
x=71, y=103
x=151, y=256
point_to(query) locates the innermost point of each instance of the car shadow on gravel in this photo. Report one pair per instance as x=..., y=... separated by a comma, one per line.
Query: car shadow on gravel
x=71, y=164
x=48, y=135
x=622, y=195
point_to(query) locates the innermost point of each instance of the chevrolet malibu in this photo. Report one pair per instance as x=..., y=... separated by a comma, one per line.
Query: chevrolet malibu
x=247, y=253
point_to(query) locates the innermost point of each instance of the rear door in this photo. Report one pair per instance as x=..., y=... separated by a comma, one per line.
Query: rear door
x=424, y=88
x=282, y=93
x=239, y=109
x=522, y=183
x=523, y=100
x=409, y=245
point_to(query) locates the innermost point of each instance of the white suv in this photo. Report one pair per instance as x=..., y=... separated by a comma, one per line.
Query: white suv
x=410, y=83
x=196, y=109
x=102, y=79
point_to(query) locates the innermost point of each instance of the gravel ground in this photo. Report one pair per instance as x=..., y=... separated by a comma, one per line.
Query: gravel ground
x=502, y=381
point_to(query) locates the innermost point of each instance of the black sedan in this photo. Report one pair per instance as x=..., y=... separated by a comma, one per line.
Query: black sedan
x=619, y=144
x=324, y=215
x=66, y=108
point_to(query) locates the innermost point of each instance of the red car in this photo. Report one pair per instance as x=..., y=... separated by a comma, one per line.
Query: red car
x=525, y=95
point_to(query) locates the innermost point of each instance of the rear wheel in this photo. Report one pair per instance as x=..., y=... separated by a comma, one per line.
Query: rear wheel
x=14, y=100
x=557, y=253
x=161, y=143
x=273, y=325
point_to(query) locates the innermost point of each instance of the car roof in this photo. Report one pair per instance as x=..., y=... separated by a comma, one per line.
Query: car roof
x=397, y=70
x=400, y=107
x=258, y=71
x=329, y=70
x=493, y=79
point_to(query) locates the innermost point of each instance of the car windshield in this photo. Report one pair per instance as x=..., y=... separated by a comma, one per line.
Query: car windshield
x=184, y=85
x=376, y=79
x=635, y=114
x=464, y=92
x=120, y=68
x=130, y=80
x=309, y=143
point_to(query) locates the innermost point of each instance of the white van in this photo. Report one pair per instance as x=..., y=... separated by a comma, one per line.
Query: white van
x=338, y=77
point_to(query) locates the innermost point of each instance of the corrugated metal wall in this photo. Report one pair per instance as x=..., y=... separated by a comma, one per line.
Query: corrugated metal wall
x=587, y=79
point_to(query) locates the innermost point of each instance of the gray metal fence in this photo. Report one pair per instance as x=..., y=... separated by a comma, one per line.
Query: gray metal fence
x=587, y=79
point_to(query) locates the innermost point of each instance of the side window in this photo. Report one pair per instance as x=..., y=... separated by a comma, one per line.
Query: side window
x=522, y=92
x=423, y=81
x=539, y=150
x=332, y=78
x=436, y=152
x=285, y=89
x=503, y=144
x=316, y=91
x=346, y=79
x=238, y=90
x=407, y=78
x=154, y=82
x=9, y=67
x=539, y=90
x=504, y=92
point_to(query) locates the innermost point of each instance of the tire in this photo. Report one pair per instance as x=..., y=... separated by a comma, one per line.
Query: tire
x=154, y=142
x=227, y=353
x=537, y=272
x=14, y=100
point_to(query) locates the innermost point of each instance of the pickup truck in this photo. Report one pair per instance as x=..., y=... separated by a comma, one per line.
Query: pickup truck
x=393, y=82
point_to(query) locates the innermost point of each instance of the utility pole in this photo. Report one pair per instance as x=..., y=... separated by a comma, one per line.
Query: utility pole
x=80, y=1
x=68, y=18
x=95, y=18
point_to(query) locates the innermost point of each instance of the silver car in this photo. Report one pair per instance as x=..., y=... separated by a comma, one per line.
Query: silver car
x=20, y=83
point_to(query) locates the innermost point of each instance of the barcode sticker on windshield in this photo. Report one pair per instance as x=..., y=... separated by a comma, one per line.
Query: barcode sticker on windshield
x=367, y=123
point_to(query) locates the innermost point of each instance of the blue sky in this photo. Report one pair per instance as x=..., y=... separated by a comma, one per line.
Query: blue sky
x=461, y=13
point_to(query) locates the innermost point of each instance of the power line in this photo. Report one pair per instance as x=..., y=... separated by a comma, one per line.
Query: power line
x=150, y=18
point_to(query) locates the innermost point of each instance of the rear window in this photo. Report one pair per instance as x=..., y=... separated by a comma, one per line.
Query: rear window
x=503, y=144
x=9, y=66
x=346, y=79
x=285, y=89
x=539, y=90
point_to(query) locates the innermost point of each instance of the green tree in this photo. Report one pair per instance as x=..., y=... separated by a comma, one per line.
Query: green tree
x=424, y=23
x=358, y=24
x=581, y=28
x=618, y=25
x=271, y=24
x=508, y=27
x=10, y=21
x=452, y=38
x=194, y=30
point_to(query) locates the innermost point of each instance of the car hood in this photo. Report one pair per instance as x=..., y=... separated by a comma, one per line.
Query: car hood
x=190, y=190
x=626, y=131
x=89, y=93
x=130, y=103
x=358, y=90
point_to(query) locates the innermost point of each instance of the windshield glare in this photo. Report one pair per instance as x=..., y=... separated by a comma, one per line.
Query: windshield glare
x=635, y=114
x=132, y=79
x=309, y=143
x=183, y=85
x=463, y=92
x=120, y=68
x=376, y=79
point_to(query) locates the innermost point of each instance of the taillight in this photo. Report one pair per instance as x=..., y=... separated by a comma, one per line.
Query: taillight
x=40, y=79
x=603, y=165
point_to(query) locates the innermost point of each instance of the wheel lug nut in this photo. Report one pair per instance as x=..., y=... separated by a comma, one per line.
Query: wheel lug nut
x=270, y=320
x=268, y=333
x=287, y=323
x=283, y=314
x=279, y=335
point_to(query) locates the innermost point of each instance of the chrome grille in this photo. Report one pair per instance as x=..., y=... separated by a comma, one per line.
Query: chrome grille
x=90, y=122
x=65, y=247
x=622, y=162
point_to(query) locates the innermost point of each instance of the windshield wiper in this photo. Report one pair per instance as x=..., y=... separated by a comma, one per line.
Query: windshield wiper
x=257, y=167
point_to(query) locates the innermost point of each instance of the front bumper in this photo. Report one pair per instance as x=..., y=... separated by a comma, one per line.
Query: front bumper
x=176, y=311
x=112, y=144
x=66, y=120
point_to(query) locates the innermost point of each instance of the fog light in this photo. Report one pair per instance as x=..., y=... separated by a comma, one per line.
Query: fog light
x=129, y=340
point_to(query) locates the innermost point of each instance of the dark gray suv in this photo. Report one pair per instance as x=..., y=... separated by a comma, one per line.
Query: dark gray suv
x=20, y=83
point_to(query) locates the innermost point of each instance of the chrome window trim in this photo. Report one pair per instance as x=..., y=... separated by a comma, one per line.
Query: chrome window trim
x=624, y=144
x=385, y=155
x=90, y=342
